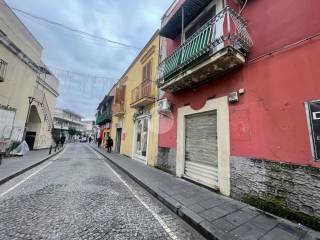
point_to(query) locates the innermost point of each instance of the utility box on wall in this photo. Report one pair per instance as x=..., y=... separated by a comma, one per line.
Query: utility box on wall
x=313, y=114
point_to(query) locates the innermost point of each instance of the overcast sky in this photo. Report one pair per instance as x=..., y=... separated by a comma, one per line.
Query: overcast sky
x=129, y=21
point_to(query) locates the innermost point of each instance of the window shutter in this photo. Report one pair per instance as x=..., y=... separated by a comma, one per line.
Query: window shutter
x=146, y=72
x=144, y=77
x=149, y=71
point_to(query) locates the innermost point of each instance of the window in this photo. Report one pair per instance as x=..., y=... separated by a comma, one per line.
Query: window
x=3, y=69
x=146, y=72
x=120, y=94
x=203, y=18
x=313, y=115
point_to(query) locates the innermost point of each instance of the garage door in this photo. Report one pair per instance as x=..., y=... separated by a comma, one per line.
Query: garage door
x=201, y=150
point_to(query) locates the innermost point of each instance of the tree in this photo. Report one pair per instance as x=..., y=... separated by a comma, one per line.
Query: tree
x=72, y=131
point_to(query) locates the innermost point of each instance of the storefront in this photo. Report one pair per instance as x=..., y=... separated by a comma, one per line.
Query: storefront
x=141, y=135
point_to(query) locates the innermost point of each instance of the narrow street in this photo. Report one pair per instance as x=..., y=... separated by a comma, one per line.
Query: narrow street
x=77, y=195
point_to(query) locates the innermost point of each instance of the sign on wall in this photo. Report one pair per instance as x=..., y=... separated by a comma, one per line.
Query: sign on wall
x=313, y=111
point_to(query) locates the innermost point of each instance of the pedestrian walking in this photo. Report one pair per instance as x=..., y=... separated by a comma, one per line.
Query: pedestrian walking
x=62, y=140
x=109, y=144
x=99, y=142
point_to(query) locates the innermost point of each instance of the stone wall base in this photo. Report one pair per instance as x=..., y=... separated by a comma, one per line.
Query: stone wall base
x=167, y=159
x=295, y=187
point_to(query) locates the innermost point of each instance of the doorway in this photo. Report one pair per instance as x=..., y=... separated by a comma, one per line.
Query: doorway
x=141, y=139
x=201, y=148
x=203, y=144
x=30, y=139
x=118, y=140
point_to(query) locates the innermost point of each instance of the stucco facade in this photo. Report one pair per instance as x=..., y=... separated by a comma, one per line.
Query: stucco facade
x=26, y=77
x=133, y=111
x=268, y=123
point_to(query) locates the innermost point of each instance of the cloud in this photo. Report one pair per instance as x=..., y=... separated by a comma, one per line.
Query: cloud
x=131, y=22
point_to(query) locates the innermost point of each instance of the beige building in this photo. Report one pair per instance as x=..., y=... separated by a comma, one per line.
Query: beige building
x=135, y=116
x=27, y=87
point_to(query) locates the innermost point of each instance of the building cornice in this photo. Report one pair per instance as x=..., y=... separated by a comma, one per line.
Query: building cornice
x=47, y=86
x=18, y=52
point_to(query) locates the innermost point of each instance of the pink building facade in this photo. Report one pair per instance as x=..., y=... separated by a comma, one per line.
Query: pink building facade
x=243, y=89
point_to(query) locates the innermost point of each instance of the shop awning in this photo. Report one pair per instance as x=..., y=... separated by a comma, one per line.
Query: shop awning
x=191, y=8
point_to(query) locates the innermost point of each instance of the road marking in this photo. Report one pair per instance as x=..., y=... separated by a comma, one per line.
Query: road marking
x=154, y=214
x=31, y=175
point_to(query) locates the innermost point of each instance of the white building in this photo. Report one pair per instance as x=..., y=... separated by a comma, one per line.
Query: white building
x=66, y=121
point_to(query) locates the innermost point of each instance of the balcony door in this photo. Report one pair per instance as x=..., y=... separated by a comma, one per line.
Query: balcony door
x=202, y=19
x=141, y=139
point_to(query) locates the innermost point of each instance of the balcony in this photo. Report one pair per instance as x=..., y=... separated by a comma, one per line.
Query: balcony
x=217, y=47
x=143, y=95
x=118, y=109
x=103, y=118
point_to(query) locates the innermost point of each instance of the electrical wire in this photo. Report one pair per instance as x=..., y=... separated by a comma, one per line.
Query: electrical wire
x=80, y=74
x=89, y=40
x=70, y=28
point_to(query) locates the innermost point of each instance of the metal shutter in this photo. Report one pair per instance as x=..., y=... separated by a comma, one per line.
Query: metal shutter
x=201, y=150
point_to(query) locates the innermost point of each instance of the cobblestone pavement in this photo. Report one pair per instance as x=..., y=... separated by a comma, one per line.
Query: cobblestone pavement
x=77, y=196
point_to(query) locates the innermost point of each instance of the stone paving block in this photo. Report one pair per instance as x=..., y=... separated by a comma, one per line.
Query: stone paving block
x=252, y=210
x=213, y=213
x=293, y=229
x=211, y=202
x=231, y=206
x=247, y=231
x=264, y=221
x=172, y=203
x=311, y=235
x=190, y=201
x=238, y=218
x=178, y=197
x=223, y=224
x=196, y=208
x=190, y=215
x=212, y=231
x=279, y=234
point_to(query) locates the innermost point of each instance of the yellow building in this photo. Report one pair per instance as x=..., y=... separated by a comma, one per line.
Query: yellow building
x=135, y=117
x=27, y=88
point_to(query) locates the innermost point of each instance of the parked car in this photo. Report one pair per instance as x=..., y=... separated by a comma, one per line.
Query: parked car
x=83, y=139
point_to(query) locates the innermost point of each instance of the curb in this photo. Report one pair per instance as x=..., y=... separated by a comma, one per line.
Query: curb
x=197, y=222
x=6, y=179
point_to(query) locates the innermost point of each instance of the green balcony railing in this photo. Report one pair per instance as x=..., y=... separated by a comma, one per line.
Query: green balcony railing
x=227, y=28
x=103, y=118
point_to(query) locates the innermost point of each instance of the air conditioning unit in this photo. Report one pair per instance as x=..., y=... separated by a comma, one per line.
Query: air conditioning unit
x=164, y=106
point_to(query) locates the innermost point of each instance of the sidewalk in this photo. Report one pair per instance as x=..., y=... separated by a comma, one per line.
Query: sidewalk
x=14, y=166
x=215, y=216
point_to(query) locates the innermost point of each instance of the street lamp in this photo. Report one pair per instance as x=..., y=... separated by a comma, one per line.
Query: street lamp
x=31, y=99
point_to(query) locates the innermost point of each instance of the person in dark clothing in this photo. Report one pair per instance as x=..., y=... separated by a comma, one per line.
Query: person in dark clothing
x=62, y=140
x=99, y=142
x=109, y=144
